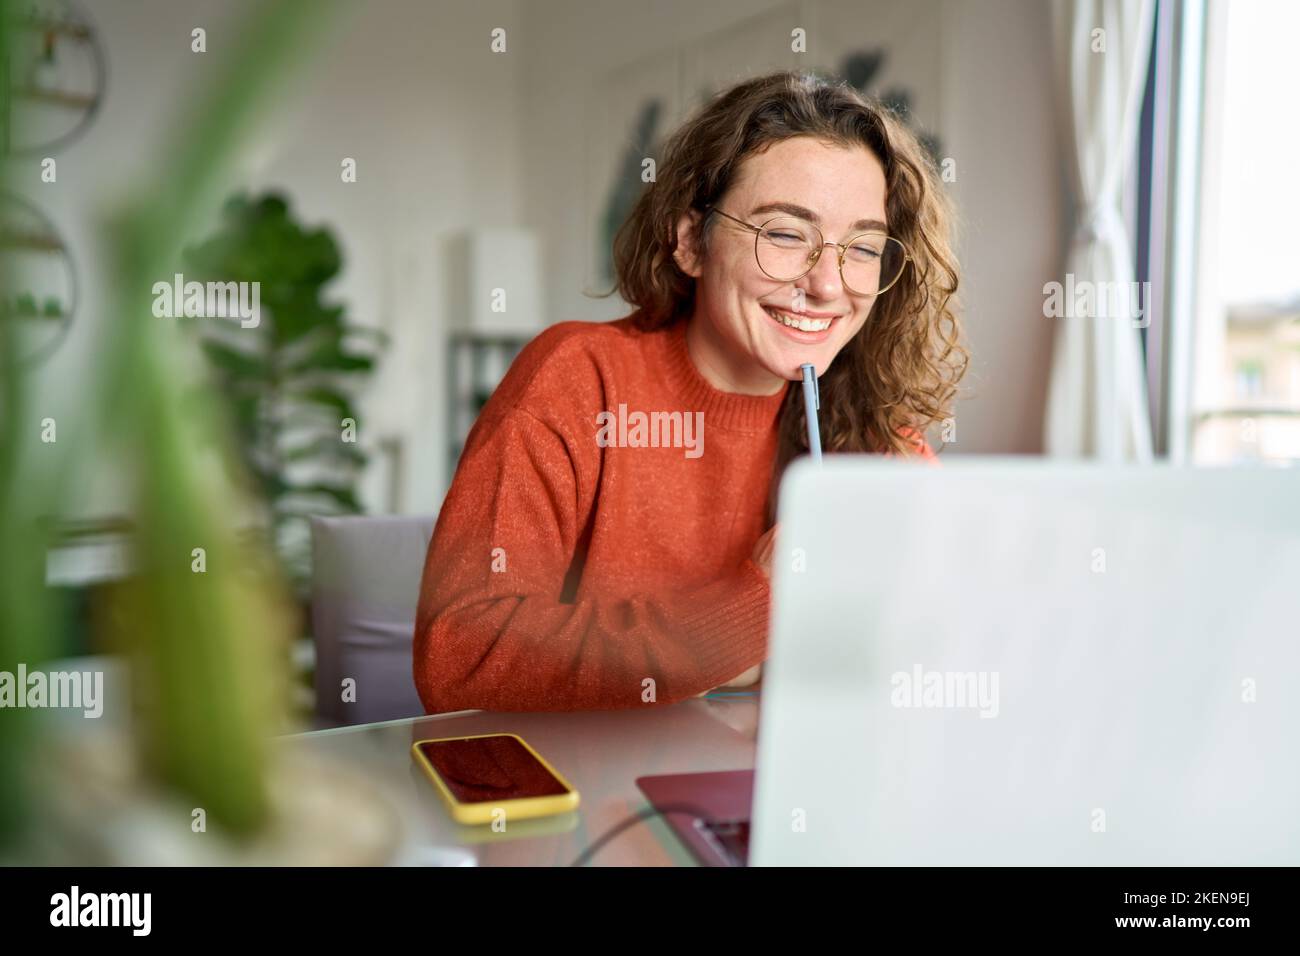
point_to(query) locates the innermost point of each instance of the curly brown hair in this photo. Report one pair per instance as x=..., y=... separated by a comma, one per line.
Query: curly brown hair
x=899, y=374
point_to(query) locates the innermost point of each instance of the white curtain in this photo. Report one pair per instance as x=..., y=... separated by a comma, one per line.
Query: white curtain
x=1097, y=402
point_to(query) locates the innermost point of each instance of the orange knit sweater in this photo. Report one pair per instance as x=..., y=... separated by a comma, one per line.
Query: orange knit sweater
x=593, y=551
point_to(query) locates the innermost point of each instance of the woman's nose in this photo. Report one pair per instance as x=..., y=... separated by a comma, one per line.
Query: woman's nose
x=823, y=280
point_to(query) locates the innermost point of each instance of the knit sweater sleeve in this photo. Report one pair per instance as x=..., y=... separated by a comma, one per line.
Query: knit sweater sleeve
x=492, y=630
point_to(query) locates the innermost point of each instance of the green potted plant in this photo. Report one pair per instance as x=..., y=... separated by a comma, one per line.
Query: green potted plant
x=290, y=379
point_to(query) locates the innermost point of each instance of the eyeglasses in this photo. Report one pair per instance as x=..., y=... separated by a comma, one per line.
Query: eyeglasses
x=788, y=247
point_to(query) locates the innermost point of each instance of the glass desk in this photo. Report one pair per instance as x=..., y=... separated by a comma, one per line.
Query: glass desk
x=600, y=753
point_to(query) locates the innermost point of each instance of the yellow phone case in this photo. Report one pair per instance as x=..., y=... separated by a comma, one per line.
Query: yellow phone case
x=475, y=814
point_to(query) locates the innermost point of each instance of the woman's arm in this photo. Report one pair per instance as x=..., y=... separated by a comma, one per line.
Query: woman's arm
x=491, y=631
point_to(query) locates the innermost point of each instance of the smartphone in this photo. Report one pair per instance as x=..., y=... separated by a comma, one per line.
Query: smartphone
x=493, y=776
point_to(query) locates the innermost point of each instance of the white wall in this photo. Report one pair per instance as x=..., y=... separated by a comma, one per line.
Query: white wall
x=407, y=88
x=411, y=91
x=1000, y=119
x=995, y=117
x=448, y=135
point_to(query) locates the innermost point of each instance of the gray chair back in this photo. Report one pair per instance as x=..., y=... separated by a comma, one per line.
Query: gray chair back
x=365, y=587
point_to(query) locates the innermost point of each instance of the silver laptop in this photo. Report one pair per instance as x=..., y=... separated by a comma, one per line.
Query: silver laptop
x=1010, y=661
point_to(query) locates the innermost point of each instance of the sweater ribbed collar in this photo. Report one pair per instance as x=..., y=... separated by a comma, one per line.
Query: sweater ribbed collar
x=732, y=410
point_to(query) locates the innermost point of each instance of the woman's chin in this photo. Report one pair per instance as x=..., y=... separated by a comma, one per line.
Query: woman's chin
x=788, y=362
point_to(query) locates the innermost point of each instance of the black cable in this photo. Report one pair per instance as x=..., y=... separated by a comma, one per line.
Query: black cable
x=633, y=820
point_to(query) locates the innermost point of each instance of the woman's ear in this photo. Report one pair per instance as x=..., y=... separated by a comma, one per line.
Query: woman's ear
x=686, y=254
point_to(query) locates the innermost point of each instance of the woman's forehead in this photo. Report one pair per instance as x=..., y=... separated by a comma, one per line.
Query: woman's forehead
x=831, y=180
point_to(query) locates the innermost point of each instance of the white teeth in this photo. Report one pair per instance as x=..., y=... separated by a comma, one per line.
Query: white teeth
x=803, y=325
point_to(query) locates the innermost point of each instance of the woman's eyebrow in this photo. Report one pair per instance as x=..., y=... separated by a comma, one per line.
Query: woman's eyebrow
x=805, y=213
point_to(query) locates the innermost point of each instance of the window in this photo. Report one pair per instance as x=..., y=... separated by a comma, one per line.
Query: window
x=1244, y=403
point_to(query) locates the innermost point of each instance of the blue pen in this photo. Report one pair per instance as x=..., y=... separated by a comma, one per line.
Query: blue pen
x=811, y=402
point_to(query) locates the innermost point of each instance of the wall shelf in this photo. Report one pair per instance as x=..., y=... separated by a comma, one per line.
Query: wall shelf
x=476, y=363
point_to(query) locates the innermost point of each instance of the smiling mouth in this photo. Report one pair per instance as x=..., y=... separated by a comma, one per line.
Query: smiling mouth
x=800, y=322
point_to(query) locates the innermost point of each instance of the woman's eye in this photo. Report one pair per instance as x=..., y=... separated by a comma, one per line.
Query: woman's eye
x=864, y=253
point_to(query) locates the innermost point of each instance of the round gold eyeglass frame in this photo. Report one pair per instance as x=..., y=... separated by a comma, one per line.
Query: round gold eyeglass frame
x=841, y=247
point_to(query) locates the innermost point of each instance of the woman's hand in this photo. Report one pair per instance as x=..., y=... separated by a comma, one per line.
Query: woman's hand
x=748, y=679
x=761, y=556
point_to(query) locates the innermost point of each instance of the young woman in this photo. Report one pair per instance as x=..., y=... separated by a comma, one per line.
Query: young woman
x=607, y=539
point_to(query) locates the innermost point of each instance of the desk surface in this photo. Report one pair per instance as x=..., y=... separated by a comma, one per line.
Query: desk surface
x=600, y=753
